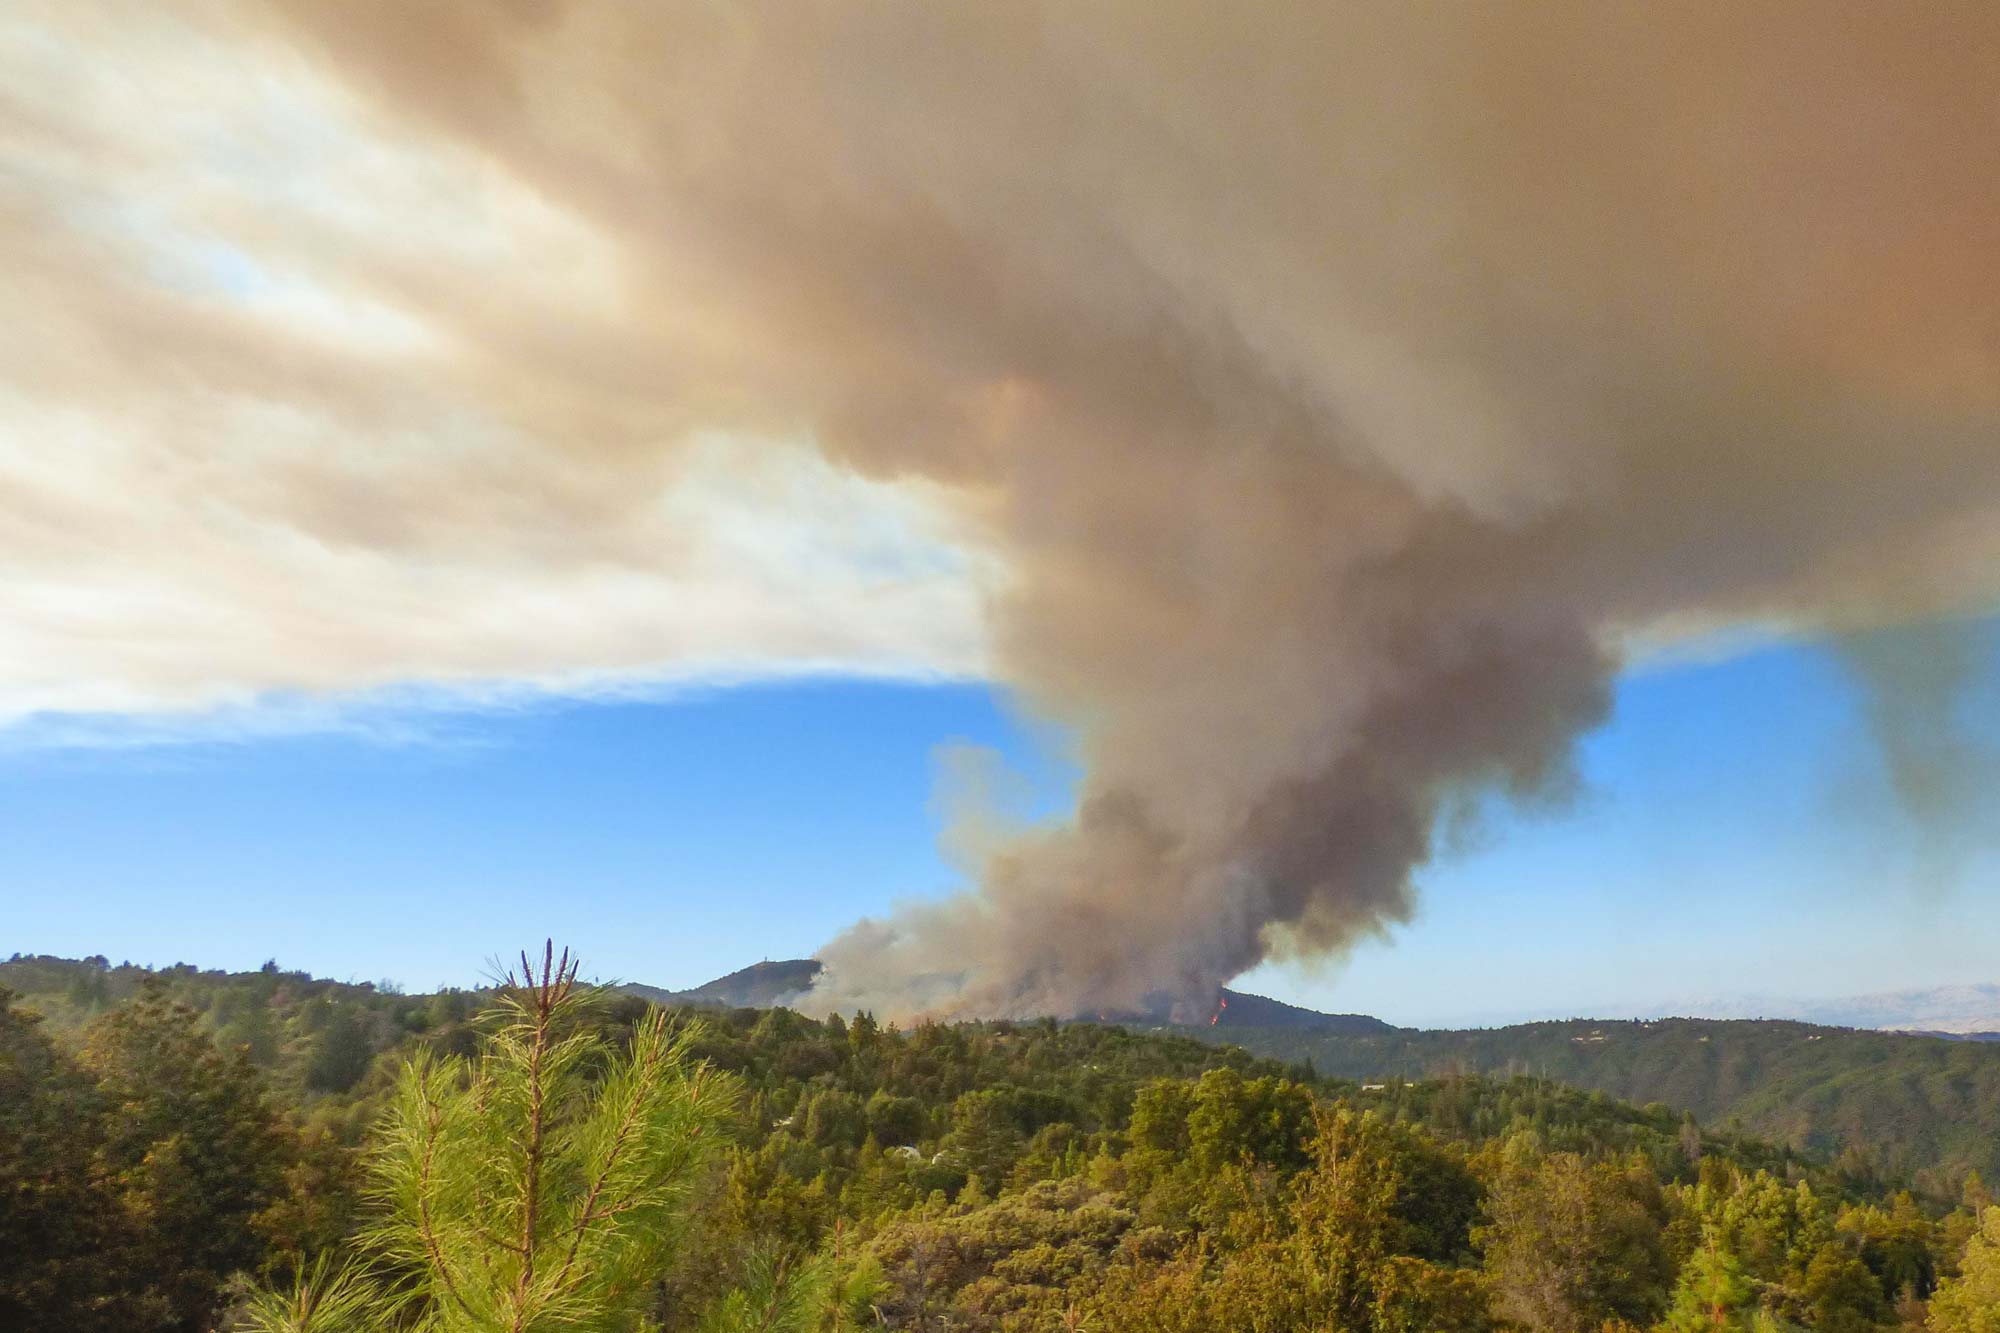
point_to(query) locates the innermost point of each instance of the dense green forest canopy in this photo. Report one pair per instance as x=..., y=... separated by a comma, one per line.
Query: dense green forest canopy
x=176, y=1146
x=1919, y=1106
x=1924, y=1110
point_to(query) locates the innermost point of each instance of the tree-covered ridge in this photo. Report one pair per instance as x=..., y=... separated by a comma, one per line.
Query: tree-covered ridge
x=1000, y=1176
x=1911, y=1105
x=317, y=1037
x=1904, y=1108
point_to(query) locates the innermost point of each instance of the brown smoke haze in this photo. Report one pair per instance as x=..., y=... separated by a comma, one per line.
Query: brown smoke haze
x=1341, y=393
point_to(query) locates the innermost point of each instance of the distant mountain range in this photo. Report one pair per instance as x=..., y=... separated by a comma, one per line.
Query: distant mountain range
x=1970, y=1012
x=787, y=982
x=1913, y=1102
x=1953, y=1010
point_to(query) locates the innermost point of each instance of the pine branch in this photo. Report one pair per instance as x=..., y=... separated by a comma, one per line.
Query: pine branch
x=426, y=1229
x=546, y=996
x=641, y=1077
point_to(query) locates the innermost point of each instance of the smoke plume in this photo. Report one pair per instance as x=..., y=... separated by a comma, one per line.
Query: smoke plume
x=1342, y=392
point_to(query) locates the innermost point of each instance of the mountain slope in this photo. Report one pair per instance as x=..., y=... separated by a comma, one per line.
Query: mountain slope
x=1242, y=1010
x=762, y=985
x=786, y=982
x=1912, y=1100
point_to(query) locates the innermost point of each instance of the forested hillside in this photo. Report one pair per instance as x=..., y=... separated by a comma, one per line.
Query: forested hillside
x=1920, y=1109
x=190, y=1150
x=1924, y=1106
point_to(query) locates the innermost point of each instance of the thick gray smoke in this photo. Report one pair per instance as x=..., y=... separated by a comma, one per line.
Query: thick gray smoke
x=1344, y=389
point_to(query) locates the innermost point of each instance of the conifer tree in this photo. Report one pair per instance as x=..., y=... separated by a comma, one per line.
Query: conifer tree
x=193, y=1149
x=1970, y=1302
x=63, y=1245
x=530, y=1195
x=1712, y=1294
x=542, y=1185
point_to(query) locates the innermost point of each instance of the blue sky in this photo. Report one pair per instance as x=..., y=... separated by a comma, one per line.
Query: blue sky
x=393, y=501
x=1734, y=833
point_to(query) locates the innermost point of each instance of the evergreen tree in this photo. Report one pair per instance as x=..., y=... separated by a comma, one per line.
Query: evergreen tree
x=1840, y=1294
x=529, y=1195
x=192, y=1148
x=541, y=1187
x=787, y=1295
x=340, y=1050
x=983, y=1141
x=63, y=1249
x=322, y=1298
x=1970, y=1302
x=1712, y=1293
x=1571, y=1243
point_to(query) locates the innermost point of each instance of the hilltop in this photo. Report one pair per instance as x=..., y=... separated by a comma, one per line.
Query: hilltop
x=788, y=982
x=759, y=986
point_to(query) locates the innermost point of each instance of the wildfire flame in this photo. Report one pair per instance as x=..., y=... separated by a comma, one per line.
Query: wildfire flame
x=1221, y=1003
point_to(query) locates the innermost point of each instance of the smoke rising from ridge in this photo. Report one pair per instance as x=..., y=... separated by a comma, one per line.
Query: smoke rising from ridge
x=1341, y=391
